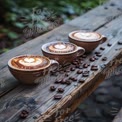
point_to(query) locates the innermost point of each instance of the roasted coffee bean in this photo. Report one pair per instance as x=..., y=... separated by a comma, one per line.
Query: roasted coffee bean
x=92, y=59
x=120, y=42
x=97, y=52
x=81, y=80
x=84, y=56
x=58, y=81
x=93, y=67
x=74, y=62
x=85, y=65
x=79, y=71
x=24, y=114
x=77, y=66
x=98, y=55
x=102, y=48
x=109, y=44
x=85, y=74
x=104, y=58
x=73, y=79
x=68, y=82
x=63, y=81
x=52, y=88
x=72, y=69
x=57, y=96
x=60, y=90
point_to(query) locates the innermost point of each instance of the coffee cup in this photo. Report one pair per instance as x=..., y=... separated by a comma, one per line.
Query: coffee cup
x=63, y=52
x=88, y=40
x=28, y=68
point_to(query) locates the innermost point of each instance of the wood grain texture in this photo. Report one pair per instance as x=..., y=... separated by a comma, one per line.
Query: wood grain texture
x=118, y=118
x=38, y=99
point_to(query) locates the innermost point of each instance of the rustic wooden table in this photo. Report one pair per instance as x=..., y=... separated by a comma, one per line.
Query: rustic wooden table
x=38, y=99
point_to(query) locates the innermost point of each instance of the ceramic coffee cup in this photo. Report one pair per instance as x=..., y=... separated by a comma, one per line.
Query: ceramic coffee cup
x=88, y=40
x=28, y=68
x=63, y=52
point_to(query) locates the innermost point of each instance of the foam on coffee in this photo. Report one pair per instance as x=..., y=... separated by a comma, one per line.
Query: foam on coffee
x=29, y=62
x=61, y=47
x=86, y=36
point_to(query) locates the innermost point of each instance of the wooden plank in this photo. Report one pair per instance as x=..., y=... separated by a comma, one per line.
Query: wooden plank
x=30, y=47
x=118, y=118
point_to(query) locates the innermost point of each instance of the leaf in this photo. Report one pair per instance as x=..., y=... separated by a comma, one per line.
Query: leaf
x=19, y=25
x=12, y=35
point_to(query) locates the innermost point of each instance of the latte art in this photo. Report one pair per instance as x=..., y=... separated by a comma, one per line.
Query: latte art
x=87, y=36
x=61, y=47
x=29, y=62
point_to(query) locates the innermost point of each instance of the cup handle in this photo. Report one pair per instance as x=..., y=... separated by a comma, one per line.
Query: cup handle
x=80, y=51
x=103, y=39
x=54, y=65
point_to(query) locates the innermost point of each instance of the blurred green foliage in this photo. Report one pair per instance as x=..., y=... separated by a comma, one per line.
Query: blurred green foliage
x=12, y=12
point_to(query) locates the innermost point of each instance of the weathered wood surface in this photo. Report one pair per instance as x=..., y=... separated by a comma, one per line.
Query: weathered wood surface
x=118, y=118
x=38, y=99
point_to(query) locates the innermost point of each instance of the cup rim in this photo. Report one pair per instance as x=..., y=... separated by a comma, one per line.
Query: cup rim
x=28, y=70
x=45, y=45
x=83, y=40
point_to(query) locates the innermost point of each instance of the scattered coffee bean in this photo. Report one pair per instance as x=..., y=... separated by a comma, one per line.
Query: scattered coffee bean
x=85, y=65
x=57, y=96
x=104, y=58
x=79, y=71
x=52, y=88
x=84, y=56
x=98, y=55
x=109, y=44
x=120, y=42
x=102, y=48
x=60, y=90
x=63, y=81
x=92, y=59
x=77, y=66
x=24, y=114
x=72, y=69
x=85, y=73
x=94, y=68
x=74, y=62
x=97, y=52
x=73, y=79
x=58, y=81
x=81, y=80
x=68, y=82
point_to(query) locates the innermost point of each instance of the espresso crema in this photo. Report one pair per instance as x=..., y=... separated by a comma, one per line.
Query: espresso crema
x=29, y=62
x=61, y=47
x=86, y=36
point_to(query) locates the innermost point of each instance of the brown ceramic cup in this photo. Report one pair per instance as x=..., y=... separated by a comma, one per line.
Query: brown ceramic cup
x=88, y=40
x=63, y=52
x=29, y=68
